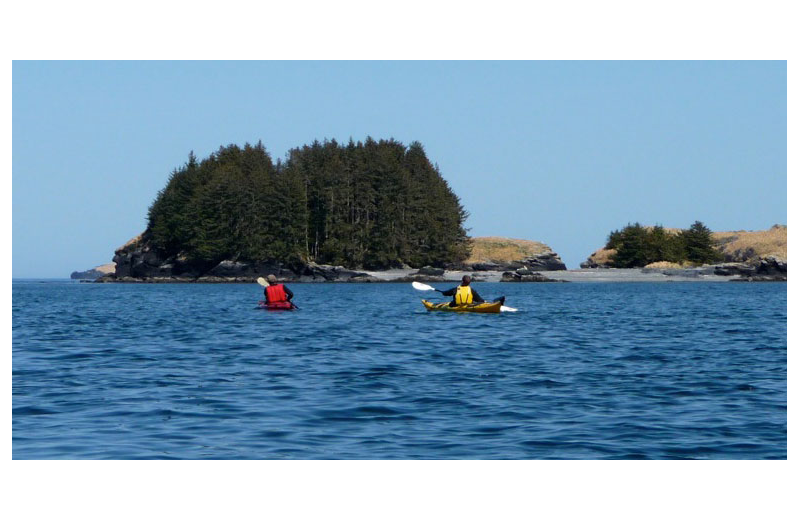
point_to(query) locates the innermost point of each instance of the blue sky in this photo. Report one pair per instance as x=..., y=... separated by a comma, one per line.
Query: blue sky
x=560, y=152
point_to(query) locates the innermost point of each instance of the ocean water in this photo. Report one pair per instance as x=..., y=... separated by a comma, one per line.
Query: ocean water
x=362, y=371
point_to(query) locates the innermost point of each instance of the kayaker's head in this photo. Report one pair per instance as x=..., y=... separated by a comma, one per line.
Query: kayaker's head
x=465, y=280
x=272, y=279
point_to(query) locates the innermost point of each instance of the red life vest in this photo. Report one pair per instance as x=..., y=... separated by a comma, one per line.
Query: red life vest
x=276, y=297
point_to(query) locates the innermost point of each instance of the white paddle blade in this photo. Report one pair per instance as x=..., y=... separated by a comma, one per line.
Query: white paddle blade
x=503, y=308
x=421, y=286
x=262, y=282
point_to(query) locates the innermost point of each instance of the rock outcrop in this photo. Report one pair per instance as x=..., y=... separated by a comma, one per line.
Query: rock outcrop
x=314, y=272
x=425, y=274
x=137, y=262
x=769, y=269
x=599, y=259
x=525, y=275
x=509, y=254
x=548, y=261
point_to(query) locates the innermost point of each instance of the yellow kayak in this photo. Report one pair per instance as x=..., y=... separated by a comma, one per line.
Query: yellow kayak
x=487, y=307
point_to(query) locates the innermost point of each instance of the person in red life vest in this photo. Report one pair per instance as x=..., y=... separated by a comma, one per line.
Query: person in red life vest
x=466, y=295
x=277, y=295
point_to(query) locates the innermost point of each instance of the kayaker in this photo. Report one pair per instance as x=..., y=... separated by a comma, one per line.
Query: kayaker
x=277, y=293
x=464, y=294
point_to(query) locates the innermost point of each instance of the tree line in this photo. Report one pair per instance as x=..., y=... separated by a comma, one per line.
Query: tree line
x=376, y=204
x=637, y=245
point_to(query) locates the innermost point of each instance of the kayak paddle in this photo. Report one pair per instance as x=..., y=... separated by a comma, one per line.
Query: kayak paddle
x=423, y=287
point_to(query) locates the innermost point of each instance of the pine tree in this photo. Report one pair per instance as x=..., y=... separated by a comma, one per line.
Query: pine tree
x=699, y=245
x=631, y=250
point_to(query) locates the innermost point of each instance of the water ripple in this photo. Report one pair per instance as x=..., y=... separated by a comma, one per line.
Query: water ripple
x=583, y=371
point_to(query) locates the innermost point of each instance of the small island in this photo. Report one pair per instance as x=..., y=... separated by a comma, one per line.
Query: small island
x=329, y=212
x=380, y=211
x=744, y=255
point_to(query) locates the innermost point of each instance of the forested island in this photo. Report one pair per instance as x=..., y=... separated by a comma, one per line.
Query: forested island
x=369, y=205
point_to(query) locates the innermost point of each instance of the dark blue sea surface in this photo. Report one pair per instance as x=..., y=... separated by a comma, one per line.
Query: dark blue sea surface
x=362, y=371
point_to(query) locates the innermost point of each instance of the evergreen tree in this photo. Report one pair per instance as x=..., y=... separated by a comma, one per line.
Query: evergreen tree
x=631, y=247
x=638, y=246
x=662, y=246
x=614, y=239
x=698, y=244
x=374, y=204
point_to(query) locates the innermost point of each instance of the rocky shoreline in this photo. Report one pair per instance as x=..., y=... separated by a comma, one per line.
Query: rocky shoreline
x=728, y=272
x=135, y=262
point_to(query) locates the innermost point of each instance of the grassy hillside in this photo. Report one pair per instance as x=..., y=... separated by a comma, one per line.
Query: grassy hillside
x=771, y=242
x=503, y=250
x=106, y=268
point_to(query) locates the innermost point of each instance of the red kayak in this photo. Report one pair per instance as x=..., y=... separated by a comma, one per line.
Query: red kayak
x=277, y=306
